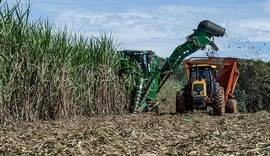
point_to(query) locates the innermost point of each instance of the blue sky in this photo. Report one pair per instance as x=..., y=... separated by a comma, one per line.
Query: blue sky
x=161, y=25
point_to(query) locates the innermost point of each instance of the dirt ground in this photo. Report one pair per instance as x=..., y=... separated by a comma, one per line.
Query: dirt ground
x=141, y=134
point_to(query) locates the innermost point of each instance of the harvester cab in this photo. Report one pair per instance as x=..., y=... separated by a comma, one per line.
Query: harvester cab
x=138, y=62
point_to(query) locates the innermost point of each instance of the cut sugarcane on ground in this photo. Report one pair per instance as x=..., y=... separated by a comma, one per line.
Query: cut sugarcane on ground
x=150, y=134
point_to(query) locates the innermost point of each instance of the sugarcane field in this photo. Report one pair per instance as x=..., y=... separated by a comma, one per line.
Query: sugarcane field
x=151, y=78
x=147, y=134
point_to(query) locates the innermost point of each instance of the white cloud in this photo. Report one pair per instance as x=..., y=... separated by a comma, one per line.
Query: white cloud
x=266, y=7
x=183, y=10
x=256, y=24
x=163, y=23
x=255, y=30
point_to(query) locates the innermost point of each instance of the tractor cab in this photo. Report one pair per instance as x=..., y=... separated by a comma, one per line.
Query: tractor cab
x=201, y=81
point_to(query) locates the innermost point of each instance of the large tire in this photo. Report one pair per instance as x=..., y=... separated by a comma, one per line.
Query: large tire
x=231, y=106
x=219, y=102
x=180, y=105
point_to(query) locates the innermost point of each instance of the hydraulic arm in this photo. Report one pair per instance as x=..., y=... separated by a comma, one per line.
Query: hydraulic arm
x=201, y=37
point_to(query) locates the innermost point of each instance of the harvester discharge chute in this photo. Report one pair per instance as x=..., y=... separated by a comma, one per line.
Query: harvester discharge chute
x=201, y=37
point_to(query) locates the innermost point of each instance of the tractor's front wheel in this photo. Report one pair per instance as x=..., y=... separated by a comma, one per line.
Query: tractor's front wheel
x=231, y=106
x=219, y=102
x=180, y=102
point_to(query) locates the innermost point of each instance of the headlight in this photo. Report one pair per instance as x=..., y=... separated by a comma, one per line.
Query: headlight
x=198, y=92
x=201, y=92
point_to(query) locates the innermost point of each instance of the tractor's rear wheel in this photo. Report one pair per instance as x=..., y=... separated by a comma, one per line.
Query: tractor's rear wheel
x=231, y=106
x=180, y=105
x=219, y=102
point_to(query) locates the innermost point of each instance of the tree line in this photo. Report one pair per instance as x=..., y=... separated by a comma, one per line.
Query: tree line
x=253, y=86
